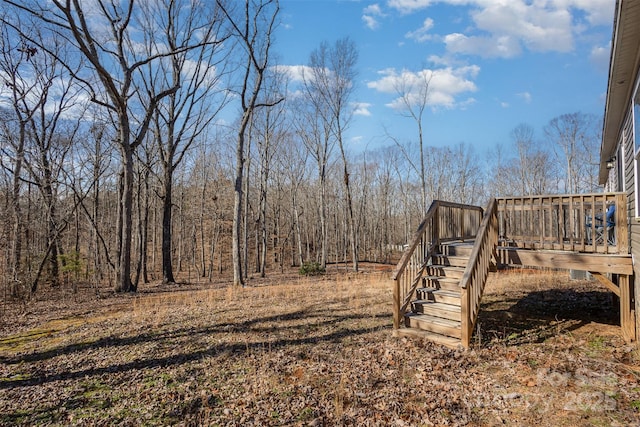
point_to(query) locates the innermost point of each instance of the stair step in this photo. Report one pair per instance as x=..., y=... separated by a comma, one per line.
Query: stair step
x=445, y=271
x=437, y=309
x=439, y=282
x=444, y=296
x=438, y=325
x=457, y=248
x=450, y=260
x=450, y=342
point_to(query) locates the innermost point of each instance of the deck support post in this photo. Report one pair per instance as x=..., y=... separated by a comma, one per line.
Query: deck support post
x=627, y=311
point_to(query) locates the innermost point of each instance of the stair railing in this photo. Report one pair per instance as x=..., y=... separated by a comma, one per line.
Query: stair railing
x=414, y=261
x=477, y=271
x=444, y=221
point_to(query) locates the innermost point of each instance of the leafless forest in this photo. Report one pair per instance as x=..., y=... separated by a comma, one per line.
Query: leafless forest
x=161, y=141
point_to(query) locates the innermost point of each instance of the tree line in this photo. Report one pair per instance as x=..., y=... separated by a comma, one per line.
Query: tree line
x=119, y=163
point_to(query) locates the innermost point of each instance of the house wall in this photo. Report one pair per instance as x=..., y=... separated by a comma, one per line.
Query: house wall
x=621, y=131
x=627, y=170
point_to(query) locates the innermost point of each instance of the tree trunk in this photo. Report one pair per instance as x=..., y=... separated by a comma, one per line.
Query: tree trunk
x=167, y=205
x=244, y=244
x=203, y=261
x=296, y=222
x=123, y=275
x=263, y=226
x=144, y=246
x=238, y=278
x=350, y=218
x=17, y=218
x=323, y=219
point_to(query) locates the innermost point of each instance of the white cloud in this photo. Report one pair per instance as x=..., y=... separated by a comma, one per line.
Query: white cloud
x=502, y=46
x=536, y=25
x=194, y=71
x=373, y=9
x=409, y=6
x=371, y=22
x=357, y=140
x=444, y=61
x=422, y=33
x=361, y=109
x=295, y=72
x=525, y=96
x=600, y=57
x=370, y=14
x=502, y=28
x=597, y=12
x=62, y=94
x=445, y=85
x=504, y=104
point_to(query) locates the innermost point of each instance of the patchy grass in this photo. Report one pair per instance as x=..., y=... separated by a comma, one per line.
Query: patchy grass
x=319, y=351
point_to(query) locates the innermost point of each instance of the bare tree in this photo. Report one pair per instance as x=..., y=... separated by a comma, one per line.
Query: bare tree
x=534, y=166
x=413, y=92
x=315, y=134
x=575, y=140
x=522, y=136
x=107, y=39
x=147, y=159
x=196, y=70
x=466, y=185
x=291, y=164
x=332, y=83
x=14, y=136
x=269, y=130
x=41, y=94
x=94, y=149
x=252, y=26
x=438, y=173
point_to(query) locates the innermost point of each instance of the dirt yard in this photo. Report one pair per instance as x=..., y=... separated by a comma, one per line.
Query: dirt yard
x=317, y=351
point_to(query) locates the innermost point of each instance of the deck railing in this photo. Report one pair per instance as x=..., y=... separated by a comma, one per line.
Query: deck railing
x=570, y=222
x=477, y=271
x=444, y=221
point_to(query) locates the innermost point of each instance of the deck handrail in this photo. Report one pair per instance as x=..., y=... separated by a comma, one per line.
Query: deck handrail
x=416, y=239
x=564, y=222
x=477, y=270
x=444, y=221
x=411, y=265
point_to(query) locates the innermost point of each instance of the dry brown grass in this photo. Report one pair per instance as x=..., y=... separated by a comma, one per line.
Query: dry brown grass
x=319, y=351
x=526, y=280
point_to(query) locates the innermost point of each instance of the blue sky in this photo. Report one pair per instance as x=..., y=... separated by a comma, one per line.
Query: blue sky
x=496, y=63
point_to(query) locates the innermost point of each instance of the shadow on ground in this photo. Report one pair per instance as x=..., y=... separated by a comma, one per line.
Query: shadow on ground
x=337, y=327
x=518, y=317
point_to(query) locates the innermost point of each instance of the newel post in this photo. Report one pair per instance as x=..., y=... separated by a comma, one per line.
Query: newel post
x=435, y=232
x=621, y=228
x=465, y=317
x=396, y=302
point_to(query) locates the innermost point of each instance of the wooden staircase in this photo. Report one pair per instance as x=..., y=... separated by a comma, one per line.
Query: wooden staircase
x=440, y=279
x=436, y=313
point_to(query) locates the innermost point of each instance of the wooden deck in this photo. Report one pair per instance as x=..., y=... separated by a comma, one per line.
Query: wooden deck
x=603, y=263
x=564, y=222
x=558, y=231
